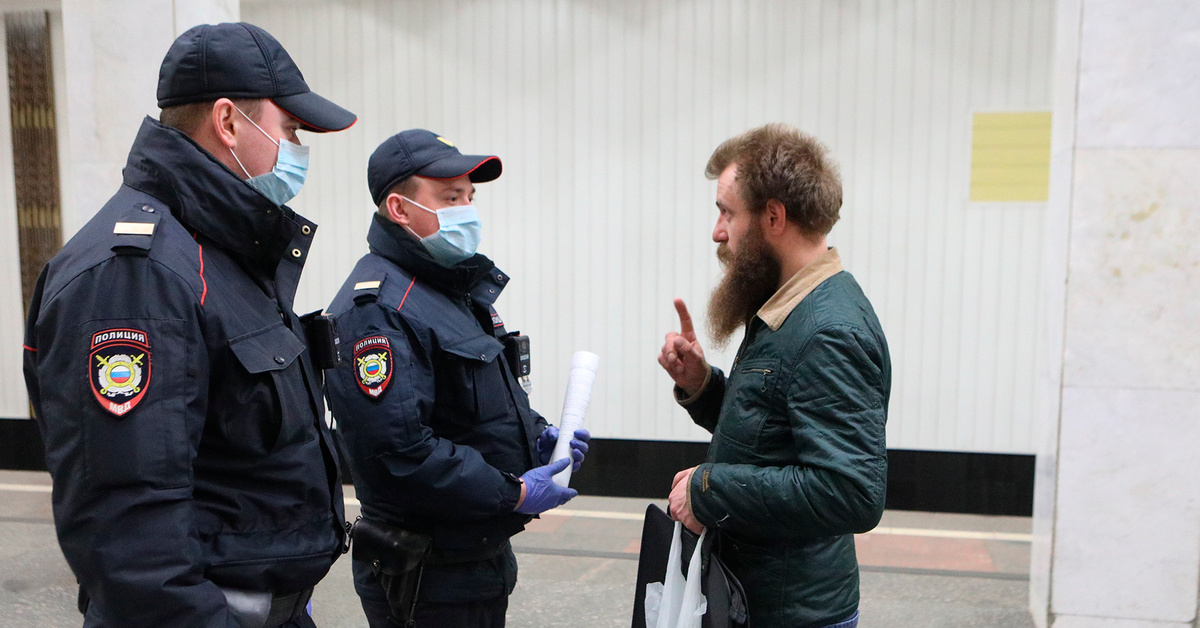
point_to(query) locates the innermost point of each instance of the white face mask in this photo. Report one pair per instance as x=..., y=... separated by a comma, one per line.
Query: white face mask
x=284, y=181
x=458, y=234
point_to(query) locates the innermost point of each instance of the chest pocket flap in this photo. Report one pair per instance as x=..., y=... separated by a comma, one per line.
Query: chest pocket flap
x=271, y=348
x=482, y=347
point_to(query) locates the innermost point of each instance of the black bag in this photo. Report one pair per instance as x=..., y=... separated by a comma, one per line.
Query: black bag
x=724, y=594
x=397, y=557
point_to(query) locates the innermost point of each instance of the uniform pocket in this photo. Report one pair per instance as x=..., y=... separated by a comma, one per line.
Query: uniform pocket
x=469, y=384
x=479, y=348
x=273, y=407
x=748, y=407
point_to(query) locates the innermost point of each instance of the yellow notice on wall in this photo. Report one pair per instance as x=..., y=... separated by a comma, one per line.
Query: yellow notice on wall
x=1010, y=157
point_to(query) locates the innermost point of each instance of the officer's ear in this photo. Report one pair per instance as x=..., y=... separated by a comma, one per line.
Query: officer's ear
x=222, y=121
x=393, y=206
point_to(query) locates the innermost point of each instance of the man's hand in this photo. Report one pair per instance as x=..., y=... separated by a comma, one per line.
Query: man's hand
x=681, y=355
x=680, y=501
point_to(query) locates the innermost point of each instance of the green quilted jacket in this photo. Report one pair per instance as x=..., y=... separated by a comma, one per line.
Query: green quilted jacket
x=798, y=459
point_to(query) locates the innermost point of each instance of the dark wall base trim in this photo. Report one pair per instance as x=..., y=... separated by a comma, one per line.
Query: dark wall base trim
x=935, y=481
x=972, y=483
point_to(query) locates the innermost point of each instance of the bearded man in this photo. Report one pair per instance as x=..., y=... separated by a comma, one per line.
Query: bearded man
x=798, y=460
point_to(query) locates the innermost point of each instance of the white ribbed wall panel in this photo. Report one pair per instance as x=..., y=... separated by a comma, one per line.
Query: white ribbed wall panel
x=605, y=113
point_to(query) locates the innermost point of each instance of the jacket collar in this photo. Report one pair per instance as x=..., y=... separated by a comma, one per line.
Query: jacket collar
x=208, y=197
x=392, y=242
x=793, y=291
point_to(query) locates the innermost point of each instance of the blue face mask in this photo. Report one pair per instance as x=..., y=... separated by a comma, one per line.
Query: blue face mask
x=458, y=234
x=284, y=181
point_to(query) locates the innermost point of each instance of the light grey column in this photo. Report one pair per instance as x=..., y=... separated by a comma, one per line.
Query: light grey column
x=13, y=402
x=1117, y=500
x=112, y=51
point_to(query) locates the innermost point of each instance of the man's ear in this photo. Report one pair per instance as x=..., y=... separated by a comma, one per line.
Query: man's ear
x=221, y=119
x=774, y=217
x=395, y=209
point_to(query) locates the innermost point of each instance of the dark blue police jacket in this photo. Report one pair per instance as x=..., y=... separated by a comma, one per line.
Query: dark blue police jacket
x=173, y=387
x=437, y=427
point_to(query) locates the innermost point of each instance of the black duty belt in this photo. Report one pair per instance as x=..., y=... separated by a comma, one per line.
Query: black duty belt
x=440, y=557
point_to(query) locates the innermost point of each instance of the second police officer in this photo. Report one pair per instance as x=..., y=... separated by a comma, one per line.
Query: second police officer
x=195, y=482
x=449, y=460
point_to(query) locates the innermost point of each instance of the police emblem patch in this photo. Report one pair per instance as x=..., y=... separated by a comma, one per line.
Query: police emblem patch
x=119, y=368
x=373, y=364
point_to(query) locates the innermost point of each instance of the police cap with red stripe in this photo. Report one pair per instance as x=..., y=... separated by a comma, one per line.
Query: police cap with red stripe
x=426, y=154
x=240, y=60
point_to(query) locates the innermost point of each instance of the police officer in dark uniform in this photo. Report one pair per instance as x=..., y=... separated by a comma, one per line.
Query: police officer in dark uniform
x=449, y=460
x=195, y=481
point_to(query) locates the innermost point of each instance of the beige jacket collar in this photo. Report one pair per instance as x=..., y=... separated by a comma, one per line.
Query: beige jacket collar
x=791, y=293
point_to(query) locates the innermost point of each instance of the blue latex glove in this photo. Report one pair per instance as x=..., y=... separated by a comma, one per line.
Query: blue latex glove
x=579, y=445
x=541, y=493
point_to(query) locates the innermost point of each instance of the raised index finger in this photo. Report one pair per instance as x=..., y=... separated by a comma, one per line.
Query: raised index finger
x=685, y=320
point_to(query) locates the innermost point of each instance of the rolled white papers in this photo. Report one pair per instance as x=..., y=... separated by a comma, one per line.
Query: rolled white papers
x=579, y=392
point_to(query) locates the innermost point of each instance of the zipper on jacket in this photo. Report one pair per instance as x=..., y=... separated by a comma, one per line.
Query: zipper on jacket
x=763, y=371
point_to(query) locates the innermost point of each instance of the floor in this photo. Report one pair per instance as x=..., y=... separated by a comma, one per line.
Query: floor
x=578, y=566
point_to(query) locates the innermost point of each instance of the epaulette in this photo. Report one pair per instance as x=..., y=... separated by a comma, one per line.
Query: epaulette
x=134, y=231
x=368, y=290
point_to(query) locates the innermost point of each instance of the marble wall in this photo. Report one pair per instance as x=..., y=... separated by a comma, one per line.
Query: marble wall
x=106, y=55
x=1117, y=511
x=115, y=50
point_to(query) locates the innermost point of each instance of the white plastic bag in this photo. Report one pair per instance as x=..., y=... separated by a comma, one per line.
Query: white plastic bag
x=693, y=605
x=677, y=602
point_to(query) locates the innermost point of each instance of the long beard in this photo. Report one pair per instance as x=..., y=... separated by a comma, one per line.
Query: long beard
x=751, y=278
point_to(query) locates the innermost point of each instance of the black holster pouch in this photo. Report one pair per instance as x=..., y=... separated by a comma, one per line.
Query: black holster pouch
x=397, y=557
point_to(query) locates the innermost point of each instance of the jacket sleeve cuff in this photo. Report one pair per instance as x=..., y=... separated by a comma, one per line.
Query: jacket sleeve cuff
x=681, y=395
x=699, y=498
x=510, y=493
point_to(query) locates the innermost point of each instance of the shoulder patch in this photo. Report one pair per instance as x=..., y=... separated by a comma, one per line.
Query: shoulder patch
x=373, y=365
x=366, y=285
x=119, y=365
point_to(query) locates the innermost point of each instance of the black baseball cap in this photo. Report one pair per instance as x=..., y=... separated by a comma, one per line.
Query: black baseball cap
x=240, y=60
x=427, y=154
